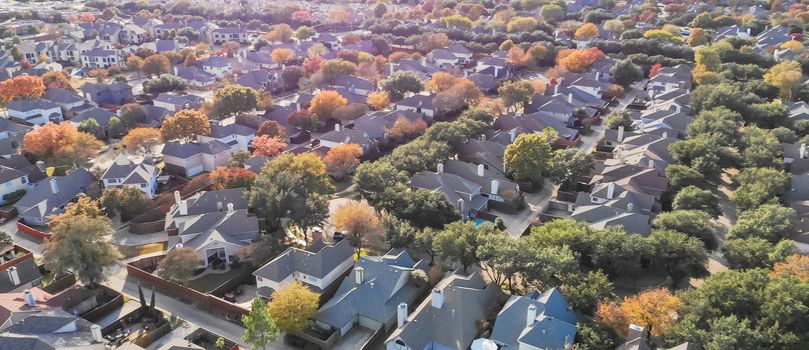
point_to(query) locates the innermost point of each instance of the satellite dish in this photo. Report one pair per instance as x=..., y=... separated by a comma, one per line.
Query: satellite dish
x=483, y=344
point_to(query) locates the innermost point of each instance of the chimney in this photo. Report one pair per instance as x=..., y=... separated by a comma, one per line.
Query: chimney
x=610, y=190
x=401, y=315
x=230, y=207
x=177, y=197
x=337, y=127
x=803, y=150
x=183, y=206
x=641, y=127
x=636, y=332
x=512, y=135
x=495, y=187
x=390, y=68
x=651, y=163
x=621, y=133
x=531, y=316
x=461, y=208
x=95, y=330
x=555, y=88
x=54, y=186
x=630, y=207
x=440, y=168
x=14, y=276
x=40, y=165
x=598, y=75
x=297, y=107
x=437, y=298
x=359, y=275
x=481, y=170
x=570, y=98
x=219, y=206
x=29, y=298
x=665, y=135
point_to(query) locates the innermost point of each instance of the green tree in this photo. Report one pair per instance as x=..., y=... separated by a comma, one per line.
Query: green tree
x=128, y=201
x=552, y=12
x=528, y=159
x=398, y=233
x=89, y=125
x=373, y=178
x=164, y=83
x=720, y=123
x=755, y=253
x=772, y=222
x=594, y=335
x=422, y=208
x=618, y=119
x=304, y=33
x=695, y=198
x=293, y=306
x=585, y=291
x=233, y=99
x=260, y=328
x=132, y=113
x=6, y=239
x=459, y=242
x=78, y=244
x=517, y=94
x=762, y=148
x=758, y=186
x=679, y=254
x=690, y=222
x=401, y=83
x=570, y=166
x=681, y=176
x=625, y=73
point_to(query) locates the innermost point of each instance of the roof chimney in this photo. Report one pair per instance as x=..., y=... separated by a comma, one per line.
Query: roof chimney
x=230, y=207
x=531, y=316
x=14, y=276
x=630, y=207
x=570, y=98
x=481, y=170
x=610, y=190
x=183, y=207
x=440, y=168
x=177, y=197
x=495, y=187
x=54, y=185
x=512, y=135
x=95, y=330
x=803, y=150
x=665, y=135
x=621, y=133
x=337, y=127
x=401, y=315
x=437, y=298
x=359, y=275
x=555, y=89
x=29, y=298
x=642, y=127
x=461, y=208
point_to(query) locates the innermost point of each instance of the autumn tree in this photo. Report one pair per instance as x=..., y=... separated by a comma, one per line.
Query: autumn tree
x=578, y=61
x=78, y=244
x=293, y=306
x=342, y=159
x=56, y=79
x=404, y=129
x=179, y=264
x=698, y=37
x=281, y=56
x=304, y=33
x=325, y=103
x=234, y=99
x=358, y=219
x=516, y=95
x=231, y=177
x=786, y=76
x=267, y=146
x=142, y=140
x=272, y=128
x=280, y=33
x=654, y=310
x=185, y=125
x=332, y=69
x=378, y=100
x=21, y=87
x=156, y=64
x=586, y=32
x=62, y=144
x=794, y=265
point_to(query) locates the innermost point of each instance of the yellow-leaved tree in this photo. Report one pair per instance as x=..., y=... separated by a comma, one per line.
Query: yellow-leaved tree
x=293, y=306
x=654, y=310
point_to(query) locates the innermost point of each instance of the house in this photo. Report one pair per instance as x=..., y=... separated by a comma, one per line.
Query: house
x=125, y=173
x=216, y=224
x=222, y=35
x=132, y=34
x=191, y=158
x=64, y=52
x=216, y=65
x=670, y=78
x=13, y=181
x=493, y=183
x=535, y=321
x=260, y=60
x=101, y=116
x=101, y=58
x=50, y=196
x=36, y=111
x=258, y=79
x=417, y=103
x=371, y=294
x=449, y=318
x=343, y=136
x=18, y=270
x=798, y=111
x=70, y=102
x=443, y=58
x=195, y=76
x=227, y=131
x=493, y=66
x=116, y=93
x=175, y=103
x=354, y=84
x=52, y=329
x=15, y=306
x=319, y=267
x=463, y=54
x=465, y=195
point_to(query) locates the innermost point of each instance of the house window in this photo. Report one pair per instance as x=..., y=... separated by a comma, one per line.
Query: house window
x=25, y=180
x=398, y=344
x=143, y=185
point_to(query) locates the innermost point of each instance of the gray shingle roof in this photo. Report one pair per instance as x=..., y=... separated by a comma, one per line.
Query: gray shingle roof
x=553, y=327
x=317, y=264
x=40, y=201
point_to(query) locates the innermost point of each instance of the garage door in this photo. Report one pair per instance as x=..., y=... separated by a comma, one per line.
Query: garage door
x=369, y=323
x=194, y=171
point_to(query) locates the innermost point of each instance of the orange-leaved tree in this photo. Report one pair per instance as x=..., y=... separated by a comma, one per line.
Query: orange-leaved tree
x=61, y=144
x=20, y=87
x=795, y=265
x=325, y=103
x=378, y=100
x=185, y=125
x=281, y=55
x=404, y=130
x=268, y=146
x=272, y=128
x=358, y=219
x=654, y=310
x=578, y=61
x=586, y=31
x=231, y=177
x=142, y=140
x=341, y=159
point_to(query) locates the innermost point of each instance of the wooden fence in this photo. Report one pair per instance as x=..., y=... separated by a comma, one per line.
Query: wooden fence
x=42, y=236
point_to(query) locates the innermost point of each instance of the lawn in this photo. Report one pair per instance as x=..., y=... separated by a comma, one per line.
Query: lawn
x=209, y=282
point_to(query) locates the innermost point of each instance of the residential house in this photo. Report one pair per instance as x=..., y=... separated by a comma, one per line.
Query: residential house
x=449, y=318
x=50, y=196
x=260, y=60
x=486, y=152
x=64, y=52
x=354, y=84
x=343, y=136
x=493, y=66
x=464, y=194
x=18, y=271
x=175, y=103
x=236, y=135
x=463, y=54
x=320, y=266
x=70, y=102
x=191, y=158
x=535, y=321
x=798, y=111
x=165, y=30
x=36, y=111
x=417, y=103
x=371, y=294
x=194, y=76
x=260, y=80
x=222, y=35
x=52, y=329
x=670, y=78
x=132, y=34
x=493, y=183
x=31, y=50
x=12, y=136
x=16, y=306
x=101, y=116
x=101, y=58
x=13, y=181
x=125, y=173
x=443, y=58
x=116, y=93
x=216, y=65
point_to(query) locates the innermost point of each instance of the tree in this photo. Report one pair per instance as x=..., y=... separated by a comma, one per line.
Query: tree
x=373, y=178
x=260, y=327
x=422, y=208
x=663, y=36
x=552, y=12
x=231, y=177
x=625, y=73
x=78, y=244
x=56, y=79
x=690, y=222
x=325, y=103
x=378, y=100
x=679, y=254
x=291, y=77
x=293, y=306
x=280, y=33
x=142, y=140
x=794, y=265
x=584, y=291
x=89, y=125
x=156, y=64
x=6, y=239
x=516, y=94
x=267, y=146
x=762, y=148
x=772, y=222
x=786, y=75
x=756, y=253
x=332, y=69
x=234, y=99
x=521, y=24
x=304, y=33
x=61, y=144
x=758, y=186
x=281, y=56
x=575, y=60
x=594, y=335
x=379, y=10
x=179, y=264
x=570, y=166
x=132, y=113
x=342, y=159
x=130, y=202
x=190, y=60
x=459, y=242
x=619, y=119
x=586, y=32
x=21, y=87
x=404, y=130
x=272, y=128
x=164, y=83
x=358, y=219
x=654, y=310
x=398, y=233
x=185, y=125
x=697, y=37
x=400, y=83
x=681, y=176
x=528, y=159
x=614, y=26
x=695, y=198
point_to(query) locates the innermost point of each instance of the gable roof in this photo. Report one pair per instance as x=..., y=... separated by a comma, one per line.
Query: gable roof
x=553, y=326
x=40, y=201
x=317, y=263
